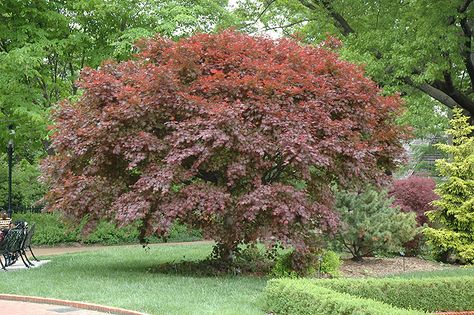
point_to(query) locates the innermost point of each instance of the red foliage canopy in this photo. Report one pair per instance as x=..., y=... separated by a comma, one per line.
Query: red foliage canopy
x=414, y=194
x=237, y=135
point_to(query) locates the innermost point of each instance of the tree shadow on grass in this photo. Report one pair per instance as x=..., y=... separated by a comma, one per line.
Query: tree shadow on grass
x=212, y=267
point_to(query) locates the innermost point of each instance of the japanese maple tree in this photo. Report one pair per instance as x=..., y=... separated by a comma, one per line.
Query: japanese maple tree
x=239, y=136
x=414, y=194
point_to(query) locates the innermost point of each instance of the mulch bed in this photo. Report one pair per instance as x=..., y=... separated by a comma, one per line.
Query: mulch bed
x=378, y=267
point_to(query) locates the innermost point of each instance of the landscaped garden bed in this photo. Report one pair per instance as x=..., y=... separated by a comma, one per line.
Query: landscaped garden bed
x=382, y=266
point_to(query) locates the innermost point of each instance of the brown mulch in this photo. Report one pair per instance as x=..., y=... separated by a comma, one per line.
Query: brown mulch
x=377, y=267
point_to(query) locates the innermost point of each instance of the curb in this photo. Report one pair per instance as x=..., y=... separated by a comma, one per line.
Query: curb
x=80, y=305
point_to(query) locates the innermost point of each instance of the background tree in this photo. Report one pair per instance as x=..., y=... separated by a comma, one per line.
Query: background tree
x=417, y=47
x=28, y=190
x=454, y=213
x=45, y=44
x=235, y=135
x=370, y=223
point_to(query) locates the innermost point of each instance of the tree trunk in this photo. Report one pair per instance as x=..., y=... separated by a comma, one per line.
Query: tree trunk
x=357, y=258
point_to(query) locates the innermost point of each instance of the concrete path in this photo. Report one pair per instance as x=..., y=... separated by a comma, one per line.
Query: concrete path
x=27, y=308
x=32, y=305
x=19, y=265
x=49, y=251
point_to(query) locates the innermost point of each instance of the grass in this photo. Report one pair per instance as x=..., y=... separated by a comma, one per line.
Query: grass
x=166, y=279
x=128, y=277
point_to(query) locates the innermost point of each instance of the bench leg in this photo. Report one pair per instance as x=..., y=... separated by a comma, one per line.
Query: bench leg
x=32, y=254
x=3, y=266
x=26, y=257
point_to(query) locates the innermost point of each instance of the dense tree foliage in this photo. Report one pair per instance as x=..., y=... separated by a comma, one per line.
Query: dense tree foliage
x=236, y=135
x=44, y=45
x=454, y=213
x=27, y=189
x=414, y=194
x=370, y=223
x=420, y=47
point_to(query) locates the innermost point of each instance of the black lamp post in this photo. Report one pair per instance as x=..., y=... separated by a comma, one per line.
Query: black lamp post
x=10, y=162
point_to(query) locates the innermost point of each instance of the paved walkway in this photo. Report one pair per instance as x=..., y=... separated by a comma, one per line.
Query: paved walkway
x=32, y=305
x=27, y=308
x=49, y=251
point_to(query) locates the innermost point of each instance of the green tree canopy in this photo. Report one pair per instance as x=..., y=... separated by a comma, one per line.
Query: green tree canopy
x=419, y=47
x=44, y=45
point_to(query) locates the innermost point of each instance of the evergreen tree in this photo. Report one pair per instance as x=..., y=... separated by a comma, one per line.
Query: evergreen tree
x=454, y=215
x=370, y=223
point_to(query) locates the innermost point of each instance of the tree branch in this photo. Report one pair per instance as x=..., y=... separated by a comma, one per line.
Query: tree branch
x=347, y=247
x=265, y=9
x=288, y=25
x=464, y=6
x=449, y=89
x=339, y=21
x=435, y=93
x=467, y=49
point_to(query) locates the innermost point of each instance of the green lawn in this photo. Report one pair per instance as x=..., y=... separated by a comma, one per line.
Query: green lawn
x=151, y=281
x=126, y=277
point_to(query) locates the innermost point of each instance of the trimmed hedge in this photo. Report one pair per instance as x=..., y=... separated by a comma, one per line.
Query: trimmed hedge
x=435, y=294
x=305, y=297
x=50, y=230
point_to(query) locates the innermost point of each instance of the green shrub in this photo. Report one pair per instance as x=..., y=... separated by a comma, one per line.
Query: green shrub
x=51, y=230
x=369, y=223
x=329, y=264
x=282, y=267
x=107, y=233
x=435, y=294
x=181, y=233
x=303, y=296
x=453, y=216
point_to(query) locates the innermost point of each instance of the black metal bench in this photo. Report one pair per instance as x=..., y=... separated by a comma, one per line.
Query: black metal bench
x=14, y=246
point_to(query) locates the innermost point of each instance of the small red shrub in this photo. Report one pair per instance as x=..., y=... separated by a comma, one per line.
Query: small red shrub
x=414, y=194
